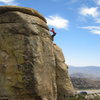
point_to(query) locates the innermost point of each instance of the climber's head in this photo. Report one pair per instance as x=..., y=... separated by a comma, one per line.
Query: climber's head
x=52, y=28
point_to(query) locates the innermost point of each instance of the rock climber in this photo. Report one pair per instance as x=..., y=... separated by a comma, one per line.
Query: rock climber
x=54, y=33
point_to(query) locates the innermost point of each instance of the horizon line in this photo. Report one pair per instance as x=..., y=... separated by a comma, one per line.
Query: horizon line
x=84, y=65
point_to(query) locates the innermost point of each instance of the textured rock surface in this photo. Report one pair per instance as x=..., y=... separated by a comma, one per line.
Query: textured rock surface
x=31, y=66
x=64, y=85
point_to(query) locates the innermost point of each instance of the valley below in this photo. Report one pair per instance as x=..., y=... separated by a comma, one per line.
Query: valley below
x=89, y=91
x=85, y=78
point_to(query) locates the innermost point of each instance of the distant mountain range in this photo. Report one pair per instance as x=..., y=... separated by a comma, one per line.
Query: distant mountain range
x=92, y=72
x=85, y=77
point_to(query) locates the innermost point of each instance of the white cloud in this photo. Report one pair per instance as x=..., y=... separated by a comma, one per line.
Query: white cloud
x=97, y=2
x=93, y=11
x=8, y=2
x=93, y=29
x=57, y=22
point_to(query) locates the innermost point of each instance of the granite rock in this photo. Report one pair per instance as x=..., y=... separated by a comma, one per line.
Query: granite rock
x=31, y=66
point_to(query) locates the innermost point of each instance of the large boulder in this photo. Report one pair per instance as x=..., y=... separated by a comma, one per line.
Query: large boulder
x=31, y=66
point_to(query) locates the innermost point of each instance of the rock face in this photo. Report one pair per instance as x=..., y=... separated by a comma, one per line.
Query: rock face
x=31, y=66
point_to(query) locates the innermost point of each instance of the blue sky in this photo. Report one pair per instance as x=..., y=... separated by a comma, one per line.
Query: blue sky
x=77, y=23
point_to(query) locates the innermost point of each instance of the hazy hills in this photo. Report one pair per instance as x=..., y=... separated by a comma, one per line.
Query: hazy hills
x=85, y=77
x=92, y=72
x=85, y=83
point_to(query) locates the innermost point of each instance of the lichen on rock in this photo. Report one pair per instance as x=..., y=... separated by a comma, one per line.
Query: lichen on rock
x=31, y=66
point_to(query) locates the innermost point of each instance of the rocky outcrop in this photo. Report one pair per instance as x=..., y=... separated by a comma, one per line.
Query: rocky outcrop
x=64, y=85
x=31, y=66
